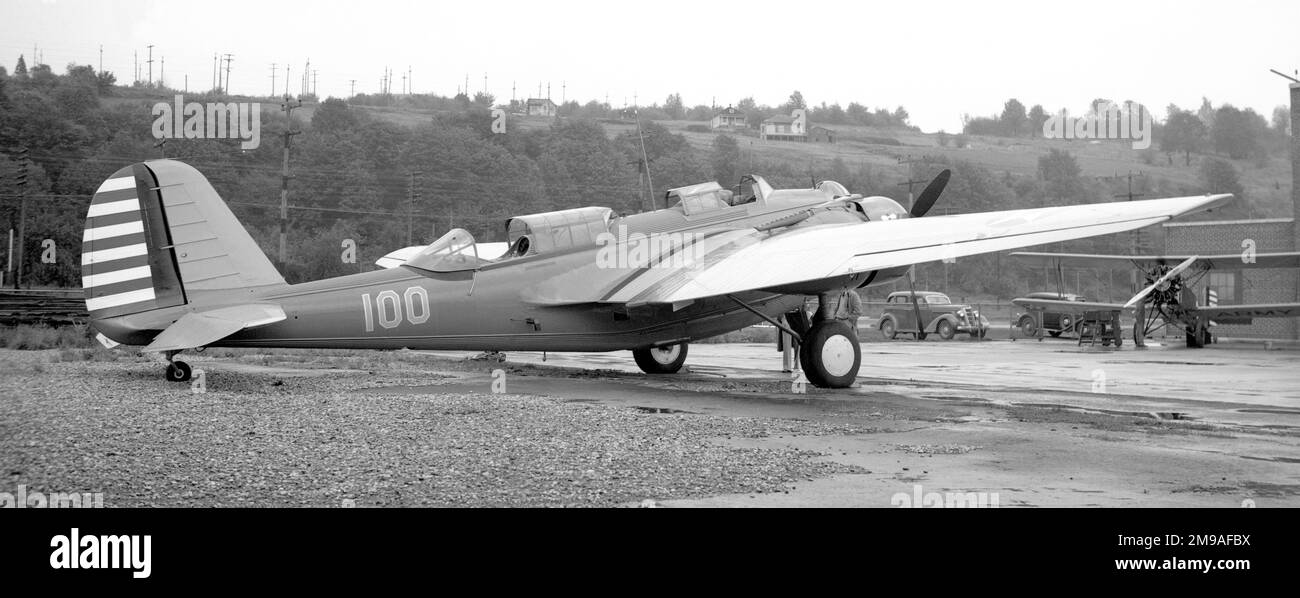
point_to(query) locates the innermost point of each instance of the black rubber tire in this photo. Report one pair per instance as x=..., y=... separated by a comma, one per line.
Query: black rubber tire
x=649, y=359
x=179, y=371
x=1028, y=326
x=1054, y=333
x=946, y=330
x=891, y=332
x=812, y=351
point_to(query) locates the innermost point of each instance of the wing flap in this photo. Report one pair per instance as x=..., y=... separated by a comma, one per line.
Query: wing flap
x=201, y=328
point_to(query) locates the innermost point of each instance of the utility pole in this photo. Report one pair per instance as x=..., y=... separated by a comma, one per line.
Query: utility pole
x=1135, y=238
x=101, y=58
x=313, y=81
x=214, y=71
x=410, y=209
x=910, y=182
x=287, y=107
x=150, y=61
x=229, y=58
x=21, y=182
x=162, y=72
x=645, y=159
x=353, y=93
x=273, y=71
x=135, y=55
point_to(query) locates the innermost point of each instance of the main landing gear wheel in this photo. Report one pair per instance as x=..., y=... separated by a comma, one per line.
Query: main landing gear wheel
x=178, y=371
x=661, y=360
x=830, y=355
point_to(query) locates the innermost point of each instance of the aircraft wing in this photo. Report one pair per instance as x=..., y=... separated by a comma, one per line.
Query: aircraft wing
x=1273, y=310
x=1069, y=306
x=1231, y=261
x=201, y=328
x=745, y=260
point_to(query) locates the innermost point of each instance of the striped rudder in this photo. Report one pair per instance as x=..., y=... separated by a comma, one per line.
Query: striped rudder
x=125, y=266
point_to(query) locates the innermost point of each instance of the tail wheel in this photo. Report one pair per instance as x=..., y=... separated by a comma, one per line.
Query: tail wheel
x=946, y=330
x=178, y=371
x=830, y=355
x=661, y=360
x=1027, y=326
x=888, y=329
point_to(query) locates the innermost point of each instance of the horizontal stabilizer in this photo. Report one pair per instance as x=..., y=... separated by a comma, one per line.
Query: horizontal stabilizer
x=198, y=329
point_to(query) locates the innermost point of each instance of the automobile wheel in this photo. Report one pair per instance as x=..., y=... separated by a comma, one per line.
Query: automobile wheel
x=661, y=360
x=946, y=330
x=888, y=330
x=830, y=355
x=1027, y=326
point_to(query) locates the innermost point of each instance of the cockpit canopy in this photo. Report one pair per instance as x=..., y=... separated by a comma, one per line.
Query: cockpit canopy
x=707, y=197
x=556, y=231
x=452, y=252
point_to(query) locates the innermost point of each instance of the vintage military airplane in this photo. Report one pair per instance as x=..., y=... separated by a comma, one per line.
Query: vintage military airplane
x=166, y=265
x=1168, y=299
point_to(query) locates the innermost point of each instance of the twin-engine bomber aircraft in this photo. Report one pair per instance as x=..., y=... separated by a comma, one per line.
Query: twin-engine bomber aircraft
x=165, y=264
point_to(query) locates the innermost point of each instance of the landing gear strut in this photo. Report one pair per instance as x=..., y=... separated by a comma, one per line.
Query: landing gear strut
x=661, y=360
x=830, y=354
x=177, y=371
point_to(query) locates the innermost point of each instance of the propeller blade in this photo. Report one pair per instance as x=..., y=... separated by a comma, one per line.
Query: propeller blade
x=1168, y=275
x=930, y=194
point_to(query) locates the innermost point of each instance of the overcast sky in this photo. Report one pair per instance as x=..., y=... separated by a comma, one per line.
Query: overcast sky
x=938, y=59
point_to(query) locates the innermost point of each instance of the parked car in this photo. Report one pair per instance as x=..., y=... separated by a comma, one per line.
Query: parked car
x=938, y=313
x=1055, y=321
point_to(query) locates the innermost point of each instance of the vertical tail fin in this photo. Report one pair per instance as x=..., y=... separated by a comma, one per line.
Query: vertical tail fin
x=157, y=232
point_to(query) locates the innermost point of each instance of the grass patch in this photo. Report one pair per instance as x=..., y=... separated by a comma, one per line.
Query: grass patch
x=34, y=337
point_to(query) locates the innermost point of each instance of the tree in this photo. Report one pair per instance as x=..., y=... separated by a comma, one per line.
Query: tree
x=1183, y=132
x=1013, y=118
x=485, y=99
x=20, y=69
x=1061, y=172
x=333, y=117
x=1282, y=121
x=1237, y=133
x=674, y=107
x=1219, y=176
x=1037, y=117
x=726, y=160
x=796, y=101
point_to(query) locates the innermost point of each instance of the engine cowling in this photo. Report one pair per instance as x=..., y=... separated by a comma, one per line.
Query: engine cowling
x=878, y=208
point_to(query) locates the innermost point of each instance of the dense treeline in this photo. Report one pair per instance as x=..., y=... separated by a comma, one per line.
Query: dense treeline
x=357, y=175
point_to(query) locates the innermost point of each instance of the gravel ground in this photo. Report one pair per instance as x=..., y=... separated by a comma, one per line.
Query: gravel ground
x=112, y=425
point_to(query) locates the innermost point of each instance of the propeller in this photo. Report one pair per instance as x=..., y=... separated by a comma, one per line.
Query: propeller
x=930, y=194
x=1163, y=279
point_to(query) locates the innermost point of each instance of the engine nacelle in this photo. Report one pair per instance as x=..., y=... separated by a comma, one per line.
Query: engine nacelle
x=878, y=208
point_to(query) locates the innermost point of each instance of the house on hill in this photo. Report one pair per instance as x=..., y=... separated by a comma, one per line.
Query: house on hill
x=785, y=128
x=541, y=107
x=730, y=118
